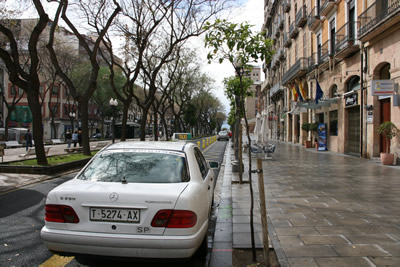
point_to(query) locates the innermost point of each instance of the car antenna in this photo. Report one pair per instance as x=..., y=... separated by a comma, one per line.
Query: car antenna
x=124, y=180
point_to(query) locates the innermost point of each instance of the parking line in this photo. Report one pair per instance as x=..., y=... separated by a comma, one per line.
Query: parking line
x=56, y=261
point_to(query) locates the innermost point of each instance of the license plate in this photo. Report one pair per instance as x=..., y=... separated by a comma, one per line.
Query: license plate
x=115, y=215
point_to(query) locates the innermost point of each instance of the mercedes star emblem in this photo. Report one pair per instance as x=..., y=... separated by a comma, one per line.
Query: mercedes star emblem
x=114, y=196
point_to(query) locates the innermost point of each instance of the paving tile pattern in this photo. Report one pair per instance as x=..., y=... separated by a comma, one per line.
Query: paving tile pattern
x=327, y=209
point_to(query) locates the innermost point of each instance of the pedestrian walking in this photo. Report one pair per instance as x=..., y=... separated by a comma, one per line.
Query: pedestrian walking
x=68, y=137
x=75, y=138
x=80, y=137
x=28, y=139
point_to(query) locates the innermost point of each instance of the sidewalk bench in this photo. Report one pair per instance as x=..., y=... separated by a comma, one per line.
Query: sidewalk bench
x=99, y=145
x=32, y=151
x=12, y=144
x=73, y=149
x=56, y=142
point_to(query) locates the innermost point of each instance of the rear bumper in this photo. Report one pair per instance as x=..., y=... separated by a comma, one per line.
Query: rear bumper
x=122, y=245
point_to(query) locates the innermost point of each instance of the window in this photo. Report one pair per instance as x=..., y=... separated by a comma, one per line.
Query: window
x=202, y=162
x=333, y=123
x=13, y=91
x=54, y=90
x=137, y=166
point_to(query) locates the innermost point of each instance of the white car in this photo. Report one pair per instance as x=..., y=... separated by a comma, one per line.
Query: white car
x=134, y=199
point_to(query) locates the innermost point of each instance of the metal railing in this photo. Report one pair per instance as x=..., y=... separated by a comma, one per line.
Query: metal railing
x=287, y=41
x=298, y=68
x=325, y=4
x=345, y=35
x=312, y=62
x=293, y=30
x=313, y=16
x=275, y=89
x=376, y=13
x=323, y=53
x=286, y=6
x=301, y=16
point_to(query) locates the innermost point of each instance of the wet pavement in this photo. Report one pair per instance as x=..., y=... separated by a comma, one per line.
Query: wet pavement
x=324, y=209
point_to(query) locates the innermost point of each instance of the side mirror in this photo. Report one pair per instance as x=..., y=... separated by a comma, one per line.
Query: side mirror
x=213, y=164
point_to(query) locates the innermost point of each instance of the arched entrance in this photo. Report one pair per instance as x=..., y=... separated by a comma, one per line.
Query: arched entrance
x=353, y=116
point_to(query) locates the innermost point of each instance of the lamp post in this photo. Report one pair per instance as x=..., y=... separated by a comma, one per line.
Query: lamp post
x=113, y=104
x=72, y=116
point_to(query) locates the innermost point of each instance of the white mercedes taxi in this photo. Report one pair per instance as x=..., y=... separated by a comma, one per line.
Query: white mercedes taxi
x=134, y=199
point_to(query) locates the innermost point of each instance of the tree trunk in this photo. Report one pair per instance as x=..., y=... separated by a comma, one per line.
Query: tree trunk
x=155, y=126
x=83, y=105
x=124, y=120
x=143, y=125
x=37, y=125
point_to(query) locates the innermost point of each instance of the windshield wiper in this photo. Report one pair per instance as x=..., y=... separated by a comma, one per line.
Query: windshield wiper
x=124, y=180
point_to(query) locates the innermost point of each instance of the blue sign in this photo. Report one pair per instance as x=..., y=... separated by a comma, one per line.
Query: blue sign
x=322, y=146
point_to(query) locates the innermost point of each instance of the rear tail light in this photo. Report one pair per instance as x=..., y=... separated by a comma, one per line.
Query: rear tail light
x=61, y=214
x=174, y=219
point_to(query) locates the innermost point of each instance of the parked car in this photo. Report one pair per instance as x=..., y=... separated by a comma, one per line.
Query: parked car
x=97, y=136
x=223, y=135
x=134, y=199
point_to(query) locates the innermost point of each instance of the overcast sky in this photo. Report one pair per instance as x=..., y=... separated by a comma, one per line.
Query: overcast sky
x=253, y=13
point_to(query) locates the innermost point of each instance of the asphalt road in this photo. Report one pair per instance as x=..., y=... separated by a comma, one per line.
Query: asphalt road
x=21, y=218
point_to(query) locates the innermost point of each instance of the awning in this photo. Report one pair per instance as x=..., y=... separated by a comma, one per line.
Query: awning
x=21, y=114
x=302, y=106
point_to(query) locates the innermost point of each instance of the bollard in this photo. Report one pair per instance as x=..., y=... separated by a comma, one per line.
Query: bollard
x=204, y=143
x=198, y=144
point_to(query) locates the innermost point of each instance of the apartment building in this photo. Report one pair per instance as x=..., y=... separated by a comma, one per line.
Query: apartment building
x=336, y=44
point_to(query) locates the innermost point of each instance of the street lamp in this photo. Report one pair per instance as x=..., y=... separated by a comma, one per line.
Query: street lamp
x=72, y=116
x=113, y=104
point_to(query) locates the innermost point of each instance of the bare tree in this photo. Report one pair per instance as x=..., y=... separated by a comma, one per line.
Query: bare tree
x=27, y=78
x=99, y=16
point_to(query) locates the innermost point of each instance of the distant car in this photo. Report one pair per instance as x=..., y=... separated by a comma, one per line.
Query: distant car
x=97, y=136
x=223, y=135
x=134, y=199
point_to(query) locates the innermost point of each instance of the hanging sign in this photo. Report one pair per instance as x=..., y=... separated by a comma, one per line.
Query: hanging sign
x=382, y=87
x=351, y=100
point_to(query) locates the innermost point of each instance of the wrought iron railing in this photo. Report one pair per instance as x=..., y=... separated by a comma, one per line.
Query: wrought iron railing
x=313, y=16
x=323, y=53
x=301, y=16
x=312, y=62
x=275, y=89
x=301, y=66
x=287, y=41
x=376, y=13
x=293, y=30
x=345, y=35
x=325, y=4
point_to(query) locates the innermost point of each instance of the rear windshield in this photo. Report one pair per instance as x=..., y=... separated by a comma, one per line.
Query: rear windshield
x=137, y=166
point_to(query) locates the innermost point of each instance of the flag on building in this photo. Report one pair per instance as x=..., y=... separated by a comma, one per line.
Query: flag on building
x=302, y=91
x=294, y=92
x=298, y=91
x=319, y=93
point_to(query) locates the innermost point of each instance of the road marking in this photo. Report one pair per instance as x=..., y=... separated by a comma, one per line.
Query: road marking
x=56, y=261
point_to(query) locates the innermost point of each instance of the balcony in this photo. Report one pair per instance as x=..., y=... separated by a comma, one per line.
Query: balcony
x=293, y=31
x=281, y=54
x=323, y=53
x=301, y=16
x=327, y=6
x=287, y=42
x=277, y=31
x=377, y=18
x=286, y=6
x=312, y=62
x=277, y=88
x=297, y=70
x=282, y=22
x=346, y=42
x=314, y=19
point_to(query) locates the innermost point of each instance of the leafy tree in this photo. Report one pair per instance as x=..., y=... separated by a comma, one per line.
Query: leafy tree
x=241, y=47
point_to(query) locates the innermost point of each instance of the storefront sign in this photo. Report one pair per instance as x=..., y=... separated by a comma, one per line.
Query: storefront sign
x=351, y=100
x=382, y=87
x=370, y=116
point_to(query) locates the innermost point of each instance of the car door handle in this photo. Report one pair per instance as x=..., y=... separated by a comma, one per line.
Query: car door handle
x=209, y=187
